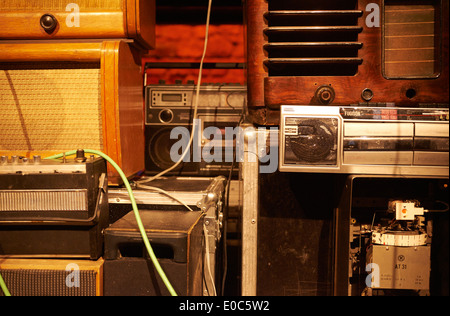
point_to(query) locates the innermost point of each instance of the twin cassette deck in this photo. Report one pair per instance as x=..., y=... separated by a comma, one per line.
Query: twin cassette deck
x=365, y=140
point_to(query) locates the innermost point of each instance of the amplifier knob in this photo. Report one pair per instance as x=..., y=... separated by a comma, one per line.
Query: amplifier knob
x=367, y=95
x=3, y=159
x=166, y=116
x=325, y=94
x=80, y=157
x=48, y=23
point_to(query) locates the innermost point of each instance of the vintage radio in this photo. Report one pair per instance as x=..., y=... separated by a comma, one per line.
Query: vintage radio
x=170, y=106
x=327, y=52
x=365, y=140
x=82, y=19
x=53, y=208
x=65, y=95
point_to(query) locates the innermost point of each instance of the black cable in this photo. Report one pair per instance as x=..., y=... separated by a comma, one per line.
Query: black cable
x=225, y=216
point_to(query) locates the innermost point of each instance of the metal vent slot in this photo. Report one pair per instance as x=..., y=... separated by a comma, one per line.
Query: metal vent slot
x=313, y=42
x=43, y=200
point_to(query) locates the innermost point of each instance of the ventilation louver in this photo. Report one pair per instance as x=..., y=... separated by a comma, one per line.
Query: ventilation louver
x=312, y=38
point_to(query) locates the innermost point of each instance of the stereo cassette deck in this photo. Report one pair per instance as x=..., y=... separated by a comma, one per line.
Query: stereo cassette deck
x=365, y=140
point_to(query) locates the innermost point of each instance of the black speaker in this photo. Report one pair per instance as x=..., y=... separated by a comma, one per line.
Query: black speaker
x=177, y=240
x=157, y=153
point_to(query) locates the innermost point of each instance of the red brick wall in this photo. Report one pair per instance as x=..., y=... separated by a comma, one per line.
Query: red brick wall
x=184, y=43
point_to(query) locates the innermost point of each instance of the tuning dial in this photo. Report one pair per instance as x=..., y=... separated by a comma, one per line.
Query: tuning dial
x=48, y=23
x=325, y=94
x=367, y=95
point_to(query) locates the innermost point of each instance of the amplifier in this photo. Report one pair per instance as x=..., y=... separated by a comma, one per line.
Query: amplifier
x=52, y=277
x=53, y=208
x=81, y=19
x=170, y=106
x=65, y=95
x=369, y=140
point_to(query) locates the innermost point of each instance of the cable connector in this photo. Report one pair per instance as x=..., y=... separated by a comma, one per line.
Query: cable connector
x=406, y=210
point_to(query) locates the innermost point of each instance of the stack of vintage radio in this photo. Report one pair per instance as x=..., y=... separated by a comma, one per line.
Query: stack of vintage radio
x=70, y=78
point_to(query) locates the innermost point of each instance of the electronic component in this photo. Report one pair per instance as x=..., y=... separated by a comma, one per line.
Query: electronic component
x=365, y=140
x=396, y=249
x=170, y=106
x=345, y=52
x=53, y=208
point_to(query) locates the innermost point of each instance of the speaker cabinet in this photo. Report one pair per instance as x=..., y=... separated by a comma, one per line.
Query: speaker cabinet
x=81, y=19
x=62, y=96
x=177, y=240
x=41, y=277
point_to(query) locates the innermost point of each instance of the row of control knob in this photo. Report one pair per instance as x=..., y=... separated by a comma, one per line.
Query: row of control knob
x=79, y=158
x=19, y=159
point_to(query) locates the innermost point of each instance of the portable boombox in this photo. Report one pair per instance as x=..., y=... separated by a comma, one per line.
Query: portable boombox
x=170, y=106
x=365, y=140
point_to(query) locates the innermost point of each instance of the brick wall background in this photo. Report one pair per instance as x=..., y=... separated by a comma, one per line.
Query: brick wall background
x=185, y=42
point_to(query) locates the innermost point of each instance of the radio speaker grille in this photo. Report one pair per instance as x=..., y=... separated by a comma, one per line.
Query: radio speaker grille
x=411, y=40
x=52, y=277
x=47, y=283
x=8, y=5
x=53, y=106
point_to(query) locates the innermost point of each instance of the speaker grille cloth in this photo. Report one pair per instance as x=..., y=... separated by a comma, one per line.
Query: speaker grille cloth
x=8, y=5
x=33, y=282
x=50, y=107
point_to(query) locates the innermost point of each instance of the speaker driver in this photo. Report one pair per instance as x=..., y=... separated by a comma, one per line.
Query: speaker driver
x=159, y=149
x=316, y=140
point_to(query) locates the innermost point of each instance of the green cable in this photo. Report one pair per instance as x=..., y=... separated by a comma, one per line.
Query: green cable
x=4, y=287
x=135, y=210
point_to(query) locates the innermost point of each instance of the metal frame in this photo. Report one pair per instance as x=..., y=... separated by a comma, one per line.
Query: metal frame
x=250, y=177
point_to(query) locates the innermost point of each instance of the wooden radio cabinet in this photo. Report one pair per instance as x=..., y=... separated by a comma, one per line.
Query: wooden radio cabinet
x=82, y=19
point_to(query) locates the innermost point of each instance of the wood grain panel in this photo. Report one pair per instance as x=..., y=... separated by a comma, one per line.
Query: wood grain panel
x=123, y=126
x=70, y=52
x=98, y=19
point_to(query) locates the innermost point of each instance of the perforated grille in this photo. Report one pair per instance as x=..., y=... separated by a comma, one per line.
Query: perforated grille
x=51, y=106
x=34, y=282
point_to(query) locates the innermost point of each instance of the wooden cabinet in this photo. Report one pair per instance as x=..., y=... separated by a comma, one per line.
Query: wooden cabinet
x=62, y=96
x=83, y=19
